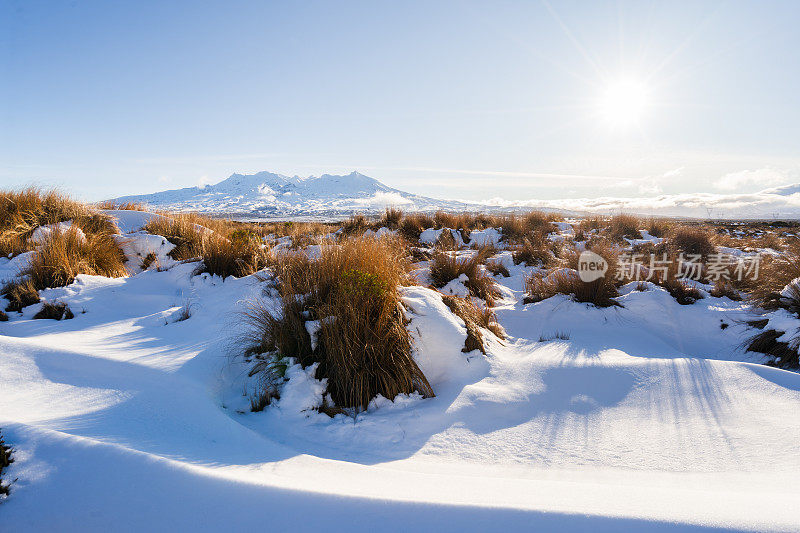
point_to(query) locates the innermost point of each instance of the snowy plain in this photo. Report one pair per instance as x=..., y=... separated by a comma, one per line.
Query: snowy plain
x=646, y=417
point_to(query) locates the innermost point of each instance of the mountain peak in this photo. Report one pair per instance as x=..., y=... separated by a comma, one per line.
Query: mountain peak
x=270, y=194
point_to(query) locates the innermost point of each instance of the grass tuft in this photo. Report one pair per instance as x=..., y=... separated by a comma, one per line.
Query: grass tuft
x=446, y=266
x=691, y=240
x=350, y=295
x=476, y=320
x=6, y=458
x=624, y=227
x=237, y=257
x=20, y=294
x=54, y=311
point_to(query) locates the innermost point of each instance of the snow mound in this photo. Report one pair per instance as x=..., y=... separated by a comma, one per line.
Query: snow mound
x=438, y=336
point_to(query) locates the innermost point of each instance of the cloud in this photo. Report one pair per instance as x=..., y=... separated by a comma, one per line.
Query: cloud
x=762, y=177
x=781, y=202
x=382, y=199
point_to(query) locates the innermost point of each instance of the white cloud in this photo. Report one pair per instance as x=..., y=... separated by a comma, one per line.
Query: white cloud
x=382, y=199
x=782, y=202
x=763, y=177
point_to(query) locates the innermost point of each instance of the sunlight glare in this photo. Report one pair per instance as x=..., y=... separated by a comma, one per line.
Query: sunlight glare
x=623, y=102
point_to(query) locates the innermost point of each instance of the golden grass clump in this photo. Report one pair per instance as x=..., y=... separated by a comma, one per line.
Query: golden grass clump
x=21, y=212
x=476, y=320
x=64, y=255
x=361, y=343
x=6, y=459
x=775, y=273
x=497, y=268
x=239, y=256
x=624, y=227
x=540, y=286
x=356, y=225
x=691, y=240
x=20, y=293
x=784, y=354
x=446, y=266
x=391, y=218
x=534, y=250
x=120, y=206
x=54, y=311
x=657, y=227
x=600, y=292
x=412, y=226
x=182, y=231
x=723, y=287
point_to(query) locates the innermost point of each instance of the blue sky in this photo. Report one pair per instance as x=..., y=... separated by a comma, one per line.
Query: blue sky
x=470, y=100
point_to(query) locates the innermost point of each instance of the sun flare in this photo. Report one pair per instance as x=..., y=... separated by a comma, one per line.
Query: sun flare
x=624, y=102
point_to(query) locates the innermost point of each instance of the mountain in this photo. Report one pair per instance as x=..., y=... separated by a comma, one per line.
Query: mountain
x=266, y=194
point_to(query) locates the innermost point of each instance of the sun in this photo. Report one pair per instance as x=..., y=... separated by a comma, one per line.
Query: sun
x=623, y=102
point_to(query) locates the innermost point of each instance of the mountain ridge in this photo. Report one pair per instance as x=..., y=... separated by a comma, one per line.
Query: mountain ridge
x=268, y=194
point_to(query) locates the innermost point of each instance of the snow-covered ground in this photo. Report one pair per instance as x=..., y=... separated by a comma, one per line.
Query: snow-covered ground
x=645, y=417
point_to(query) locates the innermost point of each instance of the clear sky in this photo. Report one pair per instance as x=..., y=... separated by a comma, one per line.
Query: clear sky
x=468, y=100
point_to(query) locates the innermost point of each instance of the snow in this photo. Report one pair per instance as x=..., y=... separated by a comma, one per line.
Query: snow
x=457, y=287
x=266, y=194
x=439, y=336
x=129, y=221
x=648, y=417
x=42, y=233
x=485, y=236
x=137, y=246
x=430, y=236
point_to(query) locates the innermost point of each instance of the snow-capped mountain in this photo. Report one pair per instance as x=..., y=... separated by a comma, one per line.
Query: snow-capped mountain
x=267, y=194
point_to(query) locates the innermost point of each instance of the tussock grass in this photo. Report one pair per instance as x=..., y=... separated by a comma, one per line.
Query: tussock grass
x=391, y=218
x=123, y=206
x=534, y=250
x=356, y=225
x=624, y=227
x=540, y=286
x=476, y=320
x=362, y=345
x=232, y=249
x=59, y=259
x=784, y=354
x=691, y=240
x=412, y=226
x=6, y=458
x=64, y=255
x=20, y=293
x=497, y=268
x=54, y=311
x=684, y=292
x=724, y=287
x=237, y=257
x=21, y=212
x=600, y=292
x=446, y=241
x=657, y=227
x=775, y=274
x=182, y=231
x=446, y=266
